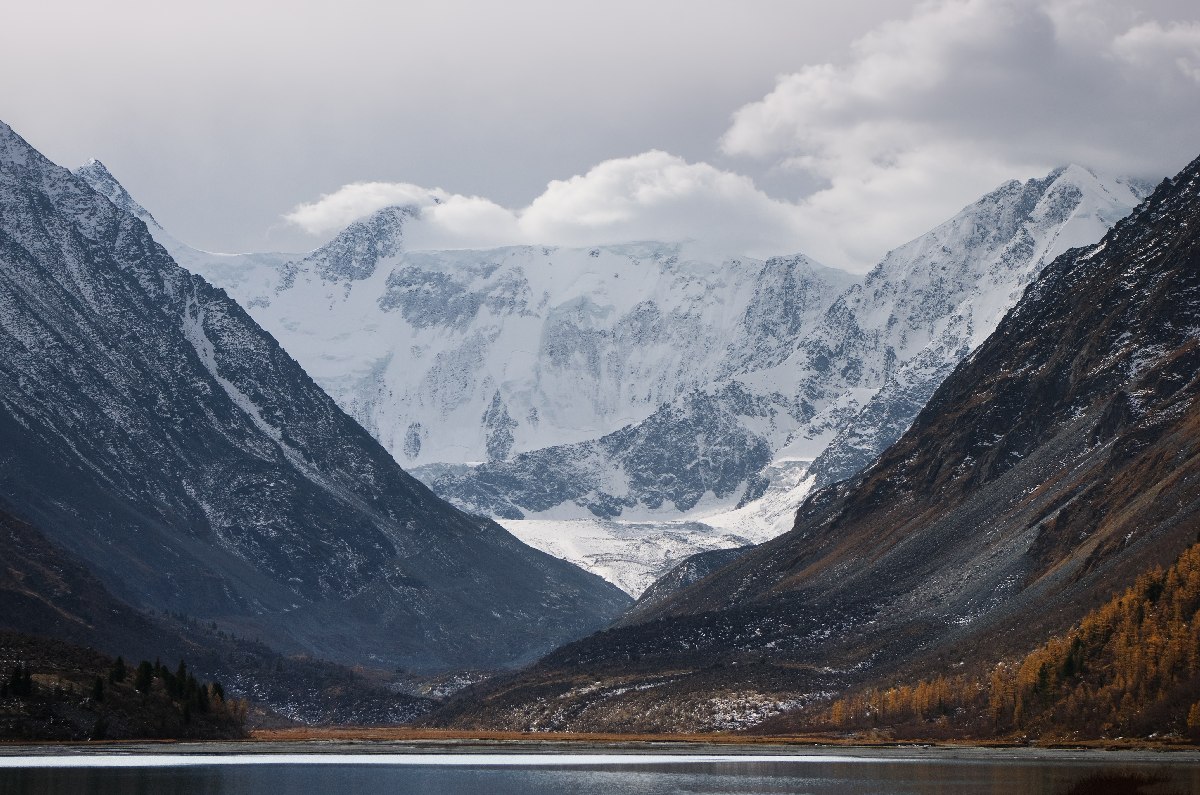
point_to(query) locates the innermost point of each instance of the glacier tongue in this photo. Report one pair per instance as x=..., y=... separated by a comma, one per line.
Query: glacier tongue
x=633, y=553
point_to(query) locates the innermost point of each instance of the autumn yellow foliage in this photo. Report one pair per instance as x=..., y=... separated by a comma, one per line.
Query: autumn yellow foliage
x=1130, y=667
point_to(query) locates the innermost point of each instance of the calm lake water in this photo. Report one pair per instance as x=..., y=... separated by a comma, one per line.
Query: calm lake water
x=534, y=774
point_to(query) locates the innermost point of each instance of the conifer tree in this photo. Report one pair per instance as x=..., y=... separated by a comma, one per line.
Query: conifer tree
x=118, y=672
x=144, y=677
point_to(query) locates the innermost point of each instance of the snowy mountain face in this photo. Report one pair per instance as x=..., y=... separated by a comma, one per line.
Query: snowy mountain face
x=151, y=428
x=839, y=389
x=846, y=389
x=97, y=175
x=646, y=383
x=932, y=301
x=470, y=356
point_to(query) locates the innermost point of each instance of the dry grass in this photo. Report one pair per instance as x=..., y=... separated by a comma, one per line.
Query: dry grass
x=408, y=734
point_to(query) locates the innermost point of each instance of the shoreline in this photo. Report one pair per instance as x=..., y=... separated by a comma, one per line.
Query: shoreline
x=593, y=748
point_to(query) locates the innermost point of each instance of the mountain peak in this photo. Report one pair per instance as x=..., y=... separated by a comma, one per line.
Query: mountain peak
x=358, y=248
x=15, y=150
x=93, y=164
x=101, y=180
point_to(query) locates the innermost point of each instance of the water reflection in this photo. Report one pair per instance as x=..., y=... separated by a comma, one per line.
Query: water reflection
x=732, y=777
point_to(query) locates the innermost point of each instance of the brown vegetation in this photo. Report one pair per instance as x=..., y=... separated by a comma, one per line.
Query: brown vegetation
x=1130, y=667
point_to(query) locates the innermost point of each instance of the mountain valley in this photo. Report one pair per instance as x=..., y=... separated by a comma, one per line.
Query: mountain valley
x=652, y=489
x=625, y=406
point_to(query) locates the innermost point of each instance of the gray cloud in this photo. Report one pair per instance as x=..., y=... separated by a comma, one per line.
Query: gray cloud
x=935, y=109
x=222, y=115
x=888, y=115
x=929, y=112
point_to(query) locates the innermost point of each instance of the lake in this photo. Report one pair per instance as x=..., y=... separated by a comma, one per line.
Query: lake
x=891, y=771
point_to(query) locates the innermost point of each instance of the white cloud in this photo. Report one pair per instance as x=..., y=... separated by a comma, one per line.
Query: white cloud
x=466, y=222
x=650, y=196
x=656, y=195
x=333, y=211
x=448, y=220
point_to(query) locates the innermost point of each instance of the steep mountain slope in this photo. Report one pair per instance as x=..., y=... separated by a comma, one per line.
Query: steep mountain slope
x=159, y=434
x=1054, y=465
x=222, y=270
x=1130, y=668
x=932, y=301
x=690, y=570
x=47, y=593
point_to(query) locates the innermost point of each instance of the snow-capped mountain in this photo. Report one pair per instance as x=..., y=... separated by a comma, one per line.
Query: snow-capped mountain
x=584, y=388
x=464, y=356
x=841, y=391
x=470, y=356
x=838, y=390
x=152, y=429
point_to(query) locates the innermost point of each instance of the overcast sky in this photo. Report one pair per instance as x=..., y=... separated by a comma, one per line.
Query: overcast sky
x=836, y=129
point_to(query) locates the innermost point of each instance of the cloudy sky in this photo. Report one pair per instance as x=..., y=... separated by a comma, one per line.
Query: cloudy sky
x=762, y=126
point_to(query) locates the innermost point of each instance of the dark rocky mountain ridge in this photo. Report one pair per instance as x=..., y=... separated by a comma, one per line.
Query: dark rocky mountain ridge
x=1054, y=465
x=152, y=429
x=690, y=570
